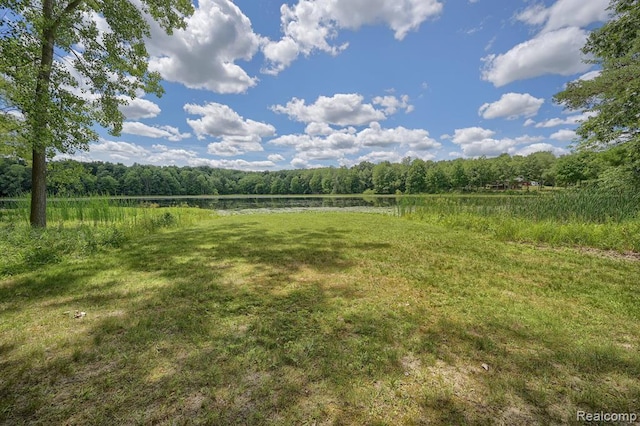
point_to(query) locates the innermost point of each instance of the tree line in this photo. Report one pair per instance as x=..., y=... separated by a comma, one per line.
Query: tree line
x=411, y=176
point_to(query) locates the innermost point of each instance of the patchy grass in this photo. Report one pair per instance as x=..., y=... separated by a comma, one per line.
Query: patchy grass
x=322, y=318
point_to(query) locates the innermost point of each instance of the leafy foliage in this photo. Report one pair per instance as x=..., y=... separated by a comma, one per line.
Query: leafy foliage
x=65, y=65
x=93, y=69
x=613, y=97
x=70, y=178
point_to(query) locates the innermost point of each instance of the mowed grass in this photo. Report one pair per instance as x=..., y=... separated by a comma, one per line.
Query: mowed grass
x=320, y=318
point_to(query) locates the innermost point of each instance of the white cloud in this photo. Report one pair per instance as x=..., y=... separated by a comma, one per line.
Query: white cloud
x=345, y=142
x=476, y=141
x=380, y=156
x=512, y=106
x=165, y=155
x=203, y=55
x=572, y=119
x=280, y=54
x=315, y=128
x=341, y=109
x=275, y=158
x=563, y=135
x=238, y=135
x=124, y=150
x=130, y=153
x=541, y=147
x=166, y=132
x=590, y=75
x=529, y=122
x=310, y=25
x=535, y=14
x=565, y=13
x=576, y=13
x=391, y=104
x=471, y=134
x=233, y=164
x=139, y=108
x=554, y=52
x=232, y=146
x=416, y=139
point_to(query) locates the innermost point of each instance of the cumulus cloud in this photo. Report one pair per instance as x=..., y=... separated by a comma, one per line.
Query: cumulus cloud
x=130, y=153
x=344, y=142
x=554, y=52
x=535, y=14
x=139, y=108
x=565, y=13
x=165, y=132
x=541, y=147
x=340, y=109
x=238, y=135
x=590, y=75
x=471, y=134
x=557, y=47
x=165, y=155
x=311, y=25
x=391, y=104
x=204, y=55
x=124, y=150
x=232, y=146
x=416, y=139
x=476, y=142
x=512, y=106
x=572, y=119
x=238, y=164
x=315, y=128
x=380, y=156
x=564, y=135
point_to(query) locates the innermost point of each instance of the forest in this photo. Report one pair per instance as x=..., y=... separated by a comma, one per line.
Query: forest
x=609, y=169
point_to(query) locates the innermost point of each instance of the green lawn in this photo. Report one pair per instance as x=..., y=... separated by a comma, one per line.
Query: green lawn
x=320, y=318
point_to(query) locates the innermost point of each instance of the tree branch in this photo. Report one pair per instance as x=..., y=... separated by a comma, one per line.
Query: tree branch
x=67, y=10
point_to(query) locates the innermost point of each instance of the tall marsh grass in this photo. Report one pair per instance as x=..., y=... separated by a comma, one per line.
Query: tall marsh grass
x=587, y=217
x=80, y=226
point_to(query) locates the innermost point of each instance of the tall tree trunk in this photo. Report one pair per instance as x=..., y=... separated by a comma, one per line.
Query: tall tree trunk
x=38, y=216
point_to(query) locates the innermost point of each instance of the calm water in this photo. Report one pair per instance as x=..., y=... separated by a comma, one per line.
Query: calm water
x=242, y=203
x=247, y=202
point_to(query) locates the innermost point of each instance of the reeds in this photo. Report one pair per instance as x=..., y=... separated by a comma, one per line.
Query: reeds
x=587, y=217
x=97, y=211
x=80, y=226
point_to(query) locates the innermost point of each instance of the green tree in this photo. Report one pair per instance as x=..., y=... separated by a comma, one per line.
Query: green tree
x=14, y=177
x=459, y=178
x=416, y=177
x=61, y=74
x=65, y=177
x=613, y=97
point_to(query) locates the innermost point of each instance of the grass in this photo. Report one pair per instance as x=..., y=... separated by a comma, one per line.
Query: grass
x=320, y=318
x=81, y=227
x=586, y=217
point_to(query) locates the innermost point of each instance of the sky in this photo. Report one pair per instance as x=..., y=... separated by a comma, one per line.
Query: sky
x=272, y=85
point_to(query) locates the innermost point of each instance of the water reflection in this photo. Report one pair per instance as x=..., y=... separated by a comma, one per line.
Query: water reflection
x=226, y=202
x=275, y=202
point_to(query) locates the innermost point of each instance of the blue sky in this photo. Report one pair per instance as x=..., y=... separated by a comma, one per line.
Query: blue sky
x=270, y=85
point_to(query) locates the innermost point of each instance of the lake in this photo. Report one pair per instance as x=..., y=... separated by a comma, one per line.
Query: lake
x=243, y=202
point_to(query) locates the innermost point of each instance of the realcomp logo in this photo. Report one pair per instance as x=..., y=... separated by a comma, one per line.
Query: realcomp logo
x=606, y=417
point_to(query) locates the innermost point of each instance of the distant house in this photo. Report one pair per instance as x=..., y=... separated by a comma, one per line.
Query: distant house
x=517, y=183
